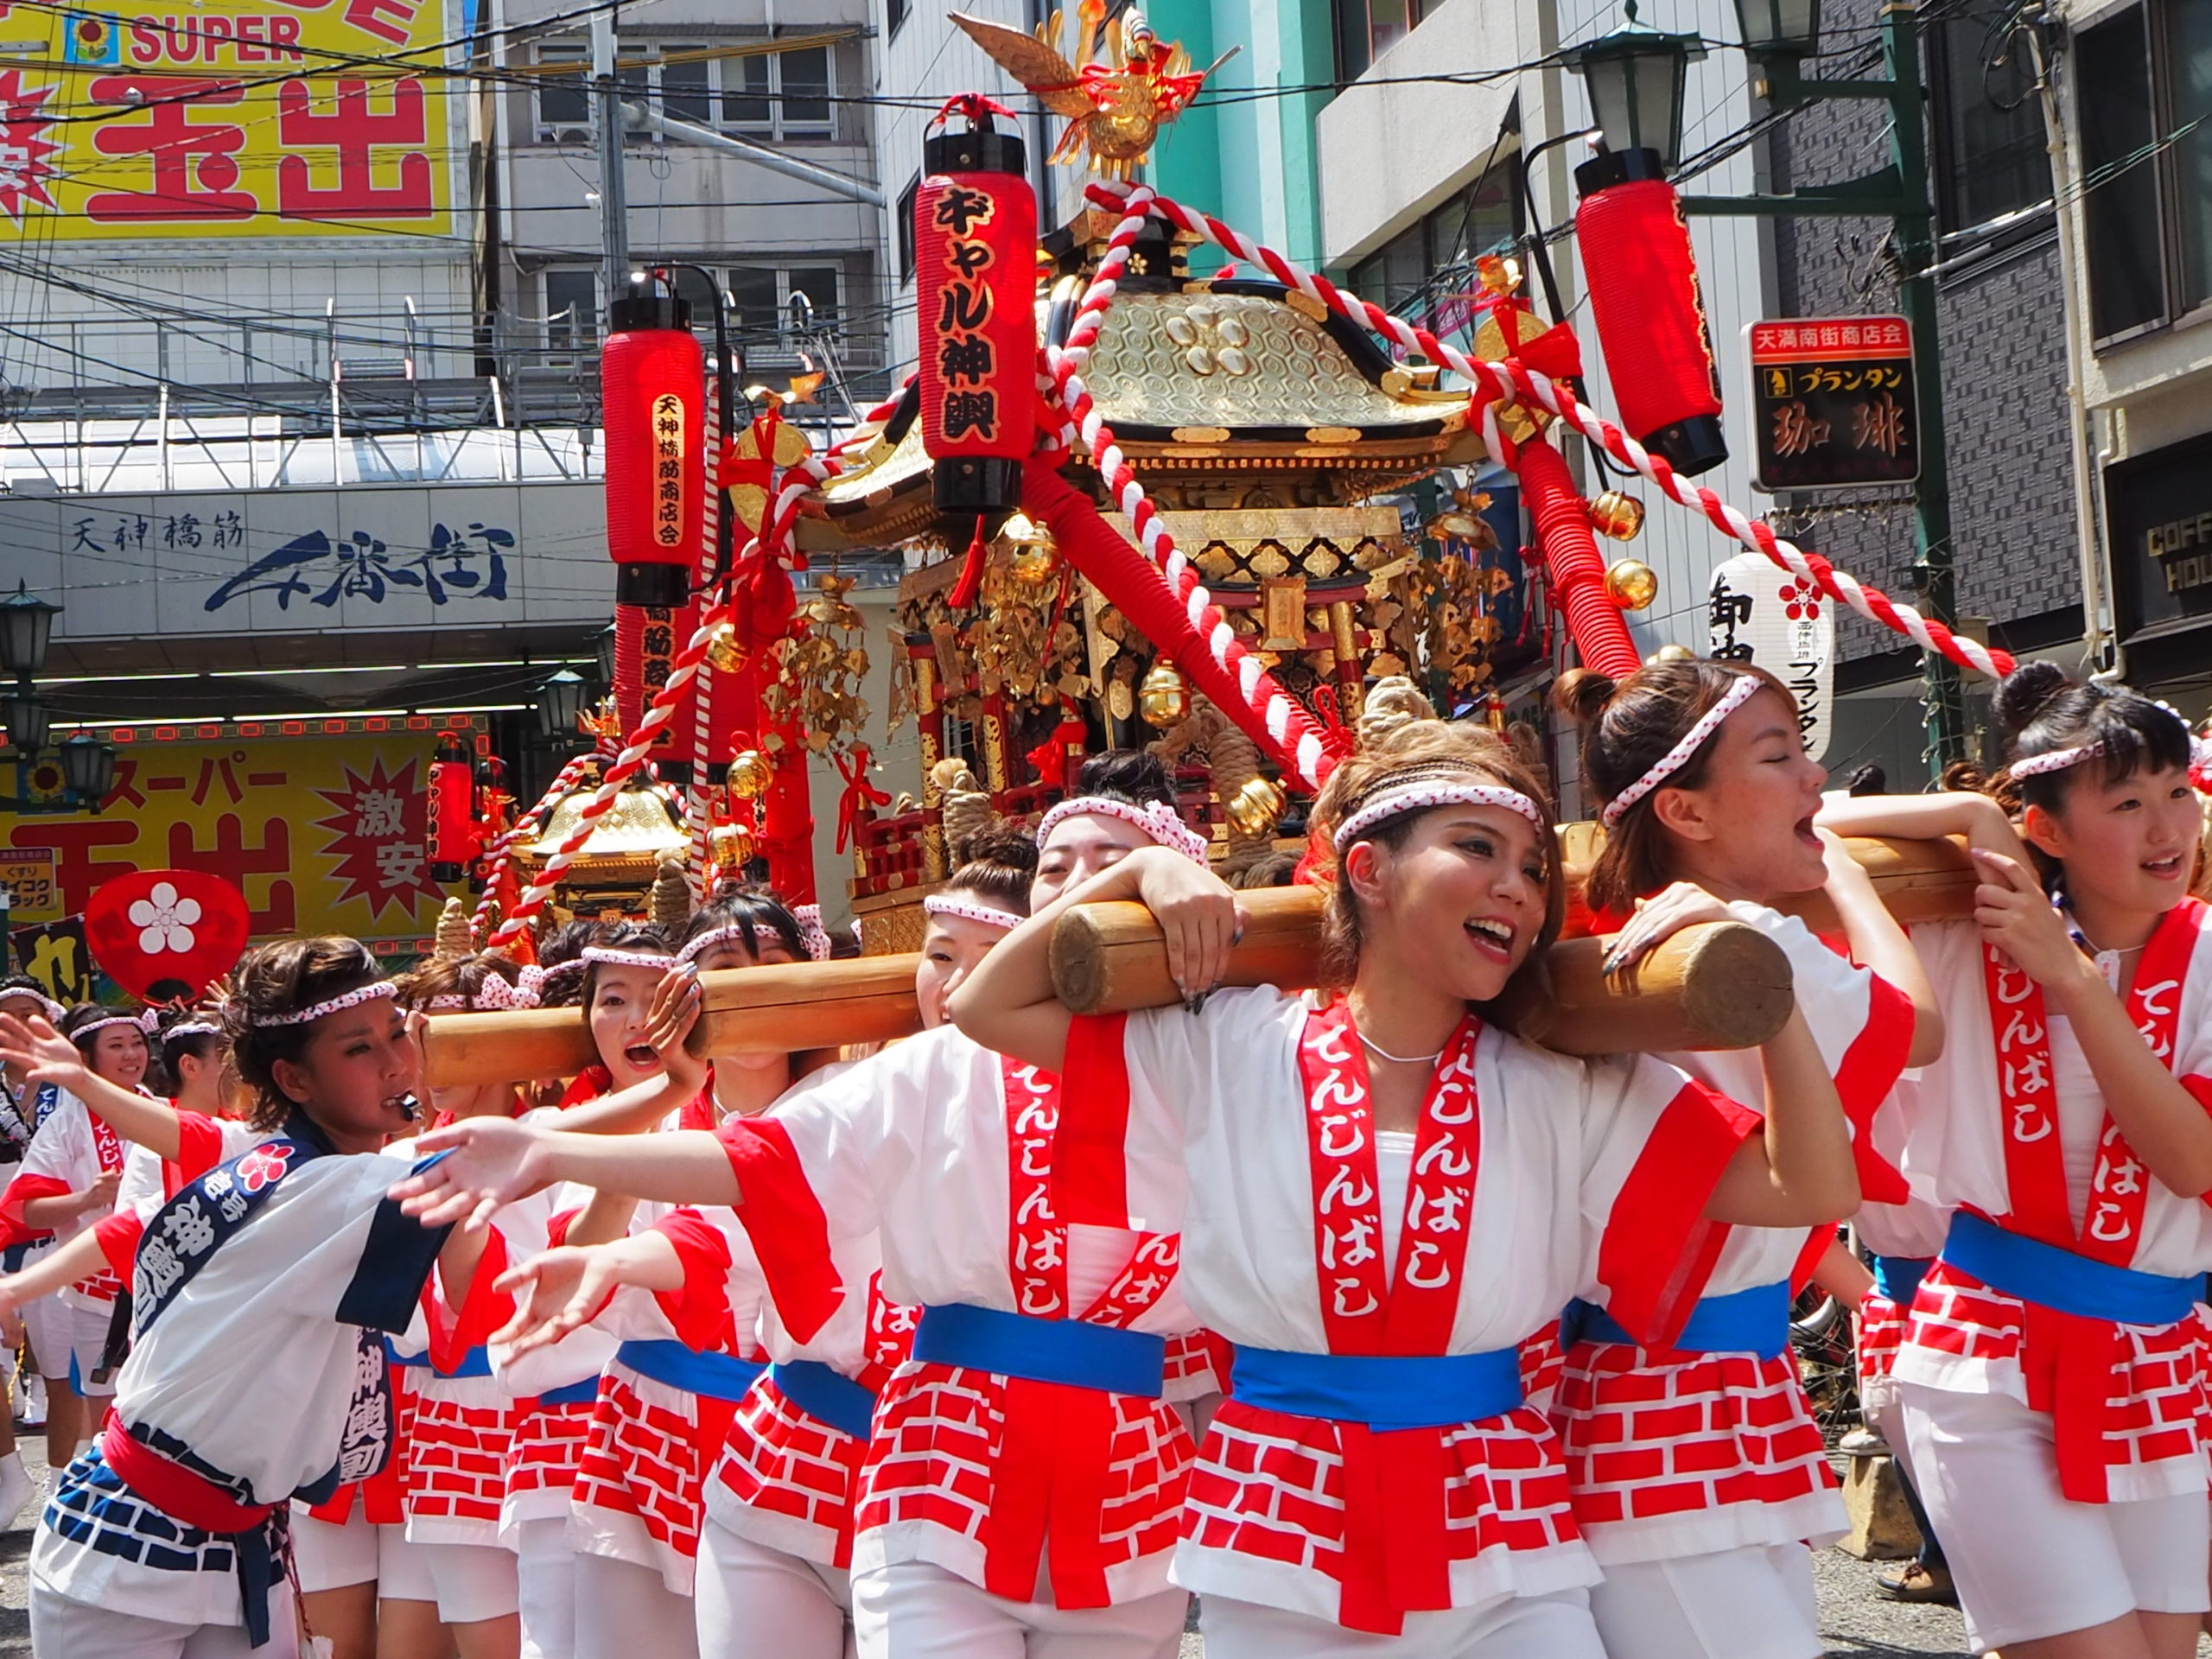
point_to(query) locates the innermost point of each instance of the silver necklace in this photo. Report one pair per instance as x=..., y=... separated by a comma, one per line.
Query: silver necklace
x=1400, y=1059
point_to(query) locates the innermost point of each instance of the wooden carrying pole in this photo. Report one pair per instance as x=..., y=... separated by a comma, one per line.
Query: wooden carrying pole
x=1722, y=985
x=1712, y=989
x=783, y=1009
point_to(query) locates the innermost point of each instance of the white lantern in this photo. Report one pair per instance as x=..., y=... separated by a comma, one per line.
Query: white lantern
x=1763, y=614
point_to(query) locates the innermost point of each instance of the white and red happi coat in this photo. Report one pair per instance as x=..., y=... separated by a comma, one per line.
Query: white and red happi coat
x=150, y=1181
x=947, y=1150
x=1910, y=1231
x=787, y=1479
x=1672, y=1454
x=2017, y=1132
x=73, y=1148
x=1533, y=1179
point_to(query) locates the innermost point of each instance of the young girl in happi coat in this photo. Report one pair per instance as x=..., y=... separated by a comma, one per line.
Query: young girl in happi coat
x=1022, y=1490
x=256, y=1368
x=451, y=1562
x=2050, y=1379
x=1708, y=799
x=65, y=1183
x=1384, y=1193
x=775, y=1554
x=682, y=1363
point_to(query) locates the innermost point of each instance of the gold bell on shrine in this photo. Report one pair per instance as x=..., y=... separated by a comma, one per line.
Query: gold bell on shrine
x=1034, y=559
x=724, y=654
x=730, y=846
x=1256, y=809
x=1672, y=652
x=1616, y=515
x=1631, y=584
x=1163, y=695
x=750, y=774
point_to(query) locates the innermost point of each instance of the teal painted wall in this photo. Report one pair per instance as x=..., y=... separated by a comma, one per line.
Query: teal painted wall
x=1250, y=161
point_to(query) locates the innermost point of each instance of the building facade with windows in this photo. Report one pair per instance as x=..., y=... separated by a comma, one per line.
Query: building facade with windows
x=2017, y=547
x=2136, y=190
x=802, y=265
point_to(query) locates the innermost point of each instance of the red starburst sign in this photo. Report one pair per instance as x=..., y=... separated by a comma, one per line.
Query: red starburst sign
x=24, y=166
x=380, y=836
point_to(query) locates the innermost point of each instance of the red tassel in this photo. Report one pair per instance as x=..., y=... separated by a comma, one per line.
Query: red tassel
x=969, y=588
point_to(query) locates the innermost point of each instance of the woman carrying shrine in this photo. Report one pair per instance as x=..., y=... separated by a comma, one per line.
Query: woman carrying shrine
x=2050, y=1379
x=1708, y=802
x=1384, y=1194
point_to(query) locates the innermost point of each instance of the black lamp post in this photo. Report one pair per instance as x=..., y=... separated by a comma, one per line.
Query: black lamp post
x=606, y=657
x=29, y=722
x=1635, y=78
x=560, y=702
x=26, y=626
x=88, y=768
x=1780, y=29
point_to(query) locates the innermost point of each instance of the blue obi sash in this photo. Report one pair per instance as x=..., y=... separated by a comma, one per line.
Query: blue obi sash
x=476, y=1362
x=1384, y=1391
x=1066, y=1351
x=824, y=1391
x=1897, y=1277
x=2060, y=1279
x=1754, y=1321
x=571, y=1394
x=719, y=1376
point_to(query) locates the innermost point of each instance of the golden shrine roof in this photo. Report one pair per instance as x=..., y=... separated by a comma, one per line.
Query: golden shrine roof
x=1230, y=377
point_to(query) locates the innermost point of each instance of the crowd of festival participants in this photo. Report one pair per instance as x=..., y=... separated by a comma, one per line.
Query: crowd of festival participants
x=1346, y=1317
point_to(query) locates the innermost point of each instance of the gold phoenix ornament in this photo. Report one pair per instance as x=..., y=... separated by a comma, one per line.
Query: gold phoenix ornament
x=1113, y=111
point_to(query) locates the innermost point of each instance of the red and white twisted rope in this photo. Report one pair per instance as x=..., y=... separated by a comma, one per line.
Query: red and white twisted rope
x=698, y=798
x=773, y=540
x=1297, y=739
x=502, y=850
x=1512, y=381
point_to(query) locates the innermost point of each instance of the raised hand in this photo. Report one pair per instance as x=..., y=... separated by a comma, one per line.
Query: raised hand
x=488, y=1161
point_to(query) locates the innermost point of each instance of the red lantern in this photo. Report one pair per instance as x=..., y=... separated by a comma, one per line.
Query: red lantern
x=975, y=260
x=646, y=641
x=1643, y=292
x=652, y=394
x=453, y=815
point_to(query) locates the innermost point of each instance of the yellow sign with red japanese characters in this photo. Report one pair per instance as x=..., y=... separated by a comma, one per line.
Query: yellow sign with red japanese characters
x=227, y=118
x=323, y=824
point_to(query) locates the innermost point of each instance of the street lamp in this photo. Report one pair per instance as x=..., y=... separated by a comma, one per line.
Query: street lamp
x=29, y=722
x=1634, y=77
x=26, y=625
x=606, y=657
x=560, y=702
x=1780, y=29
x=88, y=768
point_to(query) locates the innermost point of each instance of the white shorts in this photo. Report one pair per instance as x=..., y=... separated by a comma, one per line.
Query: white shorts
x=911, y=1609
x=68, y=1342
x=1554, y=1626
x=2028, y=1561
x=755, y=1599
x=628, y=1611
x=331, y=1555
x=470, y=1583
x=1755, y=1602
x=61, y=1626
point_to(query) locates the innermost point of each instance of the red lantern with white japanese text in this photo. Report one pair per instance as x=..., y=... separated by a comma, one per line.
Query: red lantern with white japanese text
x=976, y=262
x=453, y=816
x=653, y=392
x=1643, y=293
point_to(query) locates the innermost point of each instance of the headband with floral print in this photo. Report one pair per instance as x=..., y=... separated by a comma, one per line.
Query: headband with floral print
x=1156, y=818
x=1678, y=757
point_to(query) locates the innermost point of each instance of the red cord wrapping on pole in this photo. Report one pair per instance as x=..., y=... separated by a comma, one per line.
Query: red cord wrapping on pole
x=1578, y=574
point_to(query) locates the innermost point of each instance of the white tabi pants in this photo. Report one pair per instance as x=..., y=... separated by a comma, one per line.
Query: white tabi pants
x=626, y=1611
x=753, y=1600
x=468, y=1583
x=911, y=1609
x=1755, y=1602
x=2028, y=1561
x=545, y=1581
x=75, y=1629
